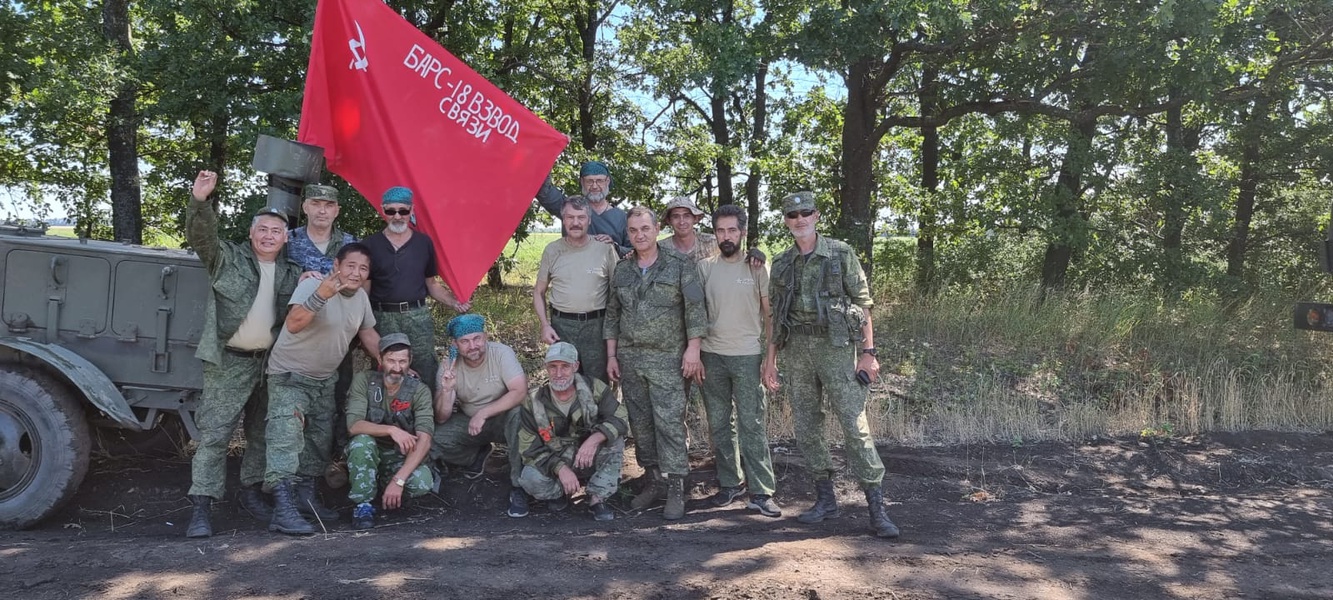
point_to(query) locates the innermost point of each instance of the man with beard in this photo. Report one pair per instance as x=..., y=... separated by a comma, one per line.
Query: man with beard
x=576, y=271
x=325, y=315
x=390, y=418
x=606, y=222
x=821, y=332
x=655, y=317
x=732, y=353
x=474, y=401
x=247, y=301
x=403, y=274
x=571, y=430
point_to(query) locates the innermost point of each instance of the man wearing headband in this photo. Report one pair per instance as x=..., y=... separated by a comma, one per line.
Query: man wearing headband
x=390, y=418
x=250, y=284
x=403, y=274
x=477, y=389
x=326, y=314
x=571, y=431
x=821, y=334
x=606, y=222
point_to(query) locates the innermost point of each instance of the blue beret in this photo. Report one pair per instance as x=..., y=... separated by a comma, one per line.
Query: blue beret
x=397, y=195
x=594, y=167
x=465, y=325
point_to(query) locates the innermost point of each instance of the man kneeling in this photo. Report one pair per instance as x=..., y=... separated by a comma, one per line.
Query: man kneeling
x=571, y=430
x=390, y=419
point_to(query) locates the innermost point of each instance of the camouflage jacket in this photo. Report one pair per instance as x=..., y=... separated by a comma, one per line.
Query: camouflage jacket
x=234, y=272
x=827, y=288
x=547, y=438
x=705, y=246
x=410, y=409
x=304, y=252
x=657, y=309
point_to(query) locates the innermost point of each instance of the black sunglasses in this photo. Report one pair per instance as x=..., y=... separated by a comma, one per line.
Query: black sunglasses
x=800, y=213
x=402, y=212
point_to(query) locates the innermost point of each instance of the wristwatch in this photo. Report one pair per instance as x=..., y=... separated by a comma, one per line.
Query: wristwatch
x=401, y=482
x=871, y=351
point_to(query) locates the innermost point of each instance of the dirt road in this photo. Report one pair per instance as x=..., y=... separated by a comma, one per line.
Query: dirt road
x=1222, y=516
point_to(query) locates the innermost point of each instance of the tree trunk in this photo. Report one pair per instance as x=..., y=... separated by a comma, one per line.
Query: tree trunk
x=859, y=144
x=587, y=23
x=122, y=131
x=1068, y=228
x=1181, y=144
x=722, y=137
x=930, y=164
x=1251, y=152
x=758, y=137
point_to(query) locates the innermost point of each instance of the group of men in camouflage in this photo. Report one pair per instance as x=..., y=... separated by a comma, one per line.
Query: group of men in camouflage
x=617, y=307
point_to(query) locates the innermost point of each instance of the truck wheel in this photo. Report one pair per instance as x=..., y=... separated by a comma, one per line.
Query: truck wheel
x=43, y=445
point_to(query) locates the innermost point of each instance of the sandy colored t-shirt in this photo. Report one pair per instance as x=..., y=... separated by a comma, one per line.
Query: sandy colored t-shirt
x=578, y=276
x=318, y=349
x=733, y=289
x=256, y=331
x=477, y=387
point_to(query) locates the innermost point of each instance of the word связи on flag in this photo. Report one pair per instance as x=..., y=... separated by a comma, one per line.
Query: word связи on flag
x=391, y=107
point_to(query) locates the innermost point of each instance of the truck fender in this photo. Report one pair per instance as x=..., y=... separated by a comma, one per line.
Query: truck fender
x=90, y=381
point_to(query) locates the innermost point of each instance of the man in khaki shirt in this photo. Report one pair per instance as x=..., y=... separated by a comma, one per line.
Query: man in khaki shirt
x=576, y=270
x=732, y=355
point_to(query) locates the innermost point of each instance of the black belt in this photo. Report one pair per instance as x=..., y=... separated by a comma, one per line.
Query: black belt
x=808, y=329
x=244, y=353
x=588, y=316
x=398, y=306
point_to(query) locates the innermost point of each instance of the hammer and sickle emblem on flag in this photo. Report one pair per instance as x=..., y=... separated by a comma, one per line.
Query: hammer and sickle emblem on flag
x=358, y=48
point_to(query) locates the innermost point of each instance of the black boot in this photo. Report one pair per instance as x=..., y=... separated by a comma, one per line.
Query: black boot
x=286, y=519
x=253, y=501
x=826, y=503
x=201, y=521
x=879, y=514
x=309, y=503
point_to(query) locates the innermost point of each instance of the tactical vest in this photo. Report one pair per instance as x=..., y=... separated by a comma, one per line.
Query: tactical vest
x=588, y=408
x=834, y=309
x=379, y=410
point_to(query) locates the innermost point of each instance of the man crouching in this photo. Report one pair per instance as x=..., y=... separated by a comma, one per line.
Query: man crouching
x=390, y=419
x=571, y=430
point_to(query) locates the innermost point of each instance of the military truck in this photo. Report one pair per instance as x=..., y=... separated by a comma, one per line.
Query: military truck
x=95, y=334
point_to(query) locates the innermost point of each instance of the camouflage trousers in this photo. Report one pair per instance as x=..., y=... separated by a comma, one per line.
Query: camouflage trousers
x=420, y=329
x=233, y=386
x=654, y=394
x=300, y=426
x=813, y=370
x=735, y=403
x=371, y=465
x=587, y=339
x=603, y=477
x=451, y=444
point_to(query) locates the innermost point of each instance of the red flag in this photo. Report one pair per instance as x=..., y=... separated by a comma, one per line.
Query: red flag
x=391, y=107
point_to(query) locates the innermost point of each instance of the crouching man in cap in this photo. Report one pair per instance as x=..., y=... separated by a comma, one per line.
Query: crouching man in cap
x=390, y=419
x=571, y=430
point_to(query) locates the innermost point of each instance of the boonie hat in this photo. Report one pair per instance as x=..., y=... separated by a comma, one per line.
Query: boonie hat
x=681, y=202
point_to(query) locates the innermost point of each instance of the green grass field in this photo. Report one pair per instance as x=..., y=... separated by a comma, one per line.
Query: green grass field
x=152, y=237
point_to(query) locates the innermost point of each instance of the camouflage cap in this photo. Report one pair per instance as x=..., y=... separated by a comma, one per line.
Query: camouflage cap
x=316, y=191
x=798, y=201
x=562, y=352
x=394, y=339
x=682, y=202
x=271, y=211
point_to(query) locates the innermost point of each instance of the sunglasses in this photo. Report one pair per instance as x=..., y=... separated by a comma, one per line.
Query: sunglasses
x=800, y=213
x=402, y=212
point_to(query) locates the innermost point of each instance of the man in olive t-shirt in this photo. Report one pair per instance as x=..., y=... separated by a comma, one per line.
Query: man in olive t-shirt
x=577, y=271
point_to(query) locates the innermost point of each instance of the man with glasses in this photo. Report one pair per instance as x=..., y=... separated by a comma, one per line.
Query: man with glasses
x=402, y=274
x=821, y=332
x=606, y=223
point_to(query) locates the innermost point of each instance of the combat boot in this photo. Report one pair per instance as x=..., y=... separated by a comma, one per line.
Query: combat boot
x=675, y=498
x=650, y=493
x=308, y=502
x=201, y=521
x=251, y=499
x=879, y=514
x=286, y=519
x=826, y=503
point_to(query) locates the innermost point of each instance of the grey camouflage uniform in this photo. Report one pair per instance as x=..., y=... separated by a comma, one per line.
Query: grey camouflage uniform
x=232, y=384
x=652, y=315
